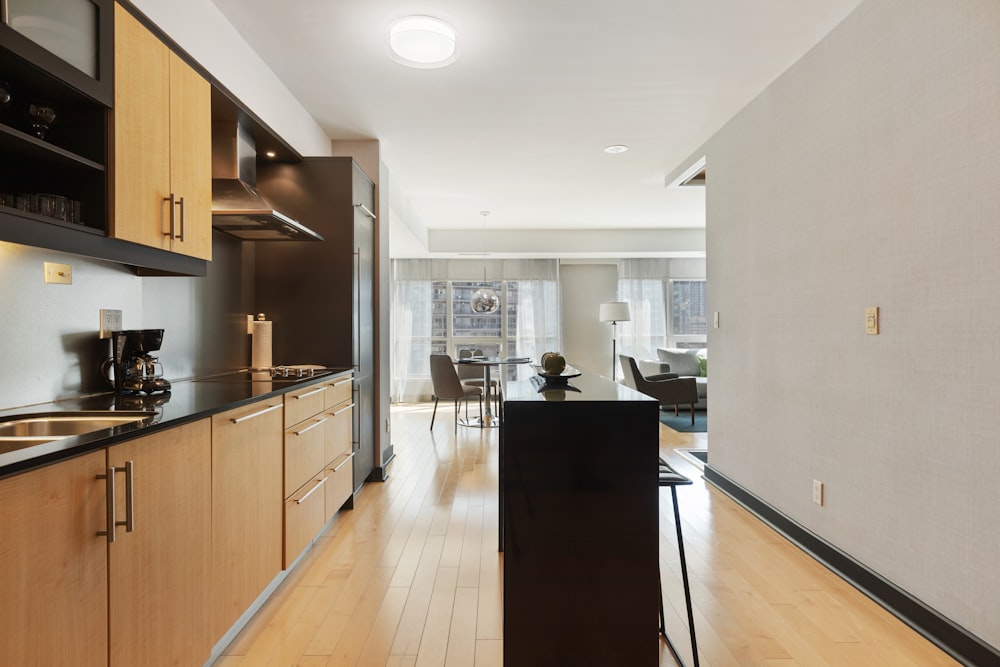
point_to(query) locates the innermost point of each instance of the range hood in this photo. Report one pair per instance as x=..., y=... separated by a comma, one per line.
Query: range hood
x=237, y=208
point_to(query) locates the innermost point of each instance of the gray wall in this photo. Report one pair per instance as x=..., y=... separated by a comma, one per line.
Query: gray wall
x=49, y=332
x=867, y=176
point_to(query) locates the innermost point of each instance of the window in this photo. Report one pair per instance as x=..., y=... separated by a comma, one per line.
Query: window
x=688, y=316
x=435, y=316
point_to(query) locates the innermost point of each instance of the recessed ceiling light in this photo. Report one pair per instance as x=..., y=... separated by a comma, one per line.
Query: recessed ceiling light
x=270, y=154
x=615, y=149
x=423, y=42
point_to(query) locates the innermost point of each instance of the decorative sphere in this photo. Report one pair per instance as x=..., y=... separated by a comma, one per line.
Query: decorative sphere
x=485, y=301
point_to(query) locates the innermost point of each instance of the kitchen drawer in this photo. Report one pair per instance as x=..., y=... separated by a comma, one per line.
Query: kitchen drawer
x=340, y=482
x=339, y=431
x=340, y=391
x=304, y=403
x=305, y=451
x=305, y=516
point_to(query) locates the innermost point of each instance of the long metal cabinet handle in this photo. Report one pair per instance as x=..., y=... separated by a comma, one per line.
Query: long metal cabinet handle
x=343, y=409
x=367, y=211
x=344, y=462
x=129, y=521
x=357, y=315
x=313, y=392
x=109, y=499
x=319, y=483
x=337, y=384
x=181, y=236
x=311, y=426
x=173, y=203
x=237, y=420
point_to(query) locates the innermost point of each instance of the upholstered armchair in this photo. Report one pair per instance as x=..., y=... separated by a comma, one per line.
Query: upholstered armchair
x=675, y=391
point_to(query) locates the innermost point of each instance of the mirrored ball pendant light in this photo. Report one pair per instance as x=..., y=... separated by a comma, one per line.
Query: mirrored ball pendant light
x=484, y=301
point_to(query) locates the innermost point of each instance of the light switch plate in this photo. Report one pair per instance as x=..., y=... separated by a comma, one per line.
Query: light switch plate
x=58, y=274
x=871, y=321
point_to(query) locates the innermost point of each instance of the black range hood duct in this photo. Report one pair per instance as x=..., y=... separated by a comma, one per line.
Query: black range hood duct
x=237, y=208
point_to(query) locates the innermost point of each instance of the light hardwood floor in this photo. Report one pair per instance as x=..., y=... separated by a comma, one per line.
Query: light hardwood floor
x=411, y=576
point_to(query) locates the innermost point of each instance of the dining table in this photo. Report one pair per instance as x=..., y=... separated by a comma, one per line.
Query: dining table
x=489, y=420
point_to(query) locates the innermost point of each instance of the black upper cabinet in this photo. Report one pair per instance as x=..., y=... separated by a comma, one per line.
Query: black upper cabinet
x=55, y=55
x=72, y=41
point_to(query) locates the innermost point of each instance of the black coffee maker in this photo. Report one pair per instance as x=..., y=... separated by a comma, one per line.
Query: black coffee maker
x=135, y=369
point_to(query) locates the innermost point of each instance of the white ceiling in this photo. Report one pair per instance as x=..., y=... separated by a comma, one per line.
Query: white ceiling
x=517, y=125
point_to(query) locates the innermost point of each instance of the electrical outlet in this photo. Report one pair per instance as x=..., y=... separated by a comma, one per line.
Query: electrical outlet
x=250, y=324
x=818, y=492
x=871, y=321
x=111, y=320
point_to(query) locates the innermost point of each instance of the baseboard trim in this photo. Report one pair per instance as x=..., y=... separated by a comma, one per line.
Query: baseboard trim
x=954, y=640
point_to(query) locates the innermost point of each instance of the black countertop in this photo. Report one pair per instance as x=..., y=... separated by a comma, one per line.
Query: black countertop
x=585, y=387
x=187, y=401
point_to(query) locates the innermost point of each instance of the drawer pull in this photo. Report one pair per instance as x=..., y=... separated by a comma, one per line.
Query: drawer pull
x=346, y=381
x=349, y=457
x=237, y=420
x=311, y=426
x=311, y=393
x=343, y=409
x=319, y=483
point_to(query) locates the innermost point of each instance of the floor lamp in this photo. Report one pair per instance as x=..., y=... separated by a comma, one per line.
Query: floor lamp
x=615, y=312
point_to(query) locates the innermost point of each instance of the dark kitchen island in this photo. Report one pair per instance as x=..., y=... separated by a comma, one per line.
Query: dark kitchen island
x=579, y=524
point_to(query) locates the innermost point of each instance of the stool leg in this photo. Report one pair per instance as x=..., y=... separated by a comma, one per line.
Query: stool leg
x=684, y=577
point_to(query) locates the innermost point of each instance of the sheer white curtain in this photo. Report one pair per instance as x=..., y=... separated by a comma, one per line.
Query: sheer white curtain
x=411, y=323
x=536, y=329
x=643, y=284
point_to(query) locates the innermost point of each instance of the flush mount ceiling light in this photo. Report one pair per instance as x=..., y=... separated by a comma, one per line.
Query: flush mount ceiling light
x=615, y=149
x=423, y=42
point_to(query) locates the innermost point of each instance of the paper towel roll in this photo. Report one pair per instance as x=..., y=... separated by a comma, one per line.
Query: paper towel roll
x=260, y=348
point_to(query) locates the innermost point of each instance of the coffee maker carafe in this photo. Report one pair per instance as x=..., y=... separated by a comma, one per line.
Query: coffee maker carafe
x=135, y=369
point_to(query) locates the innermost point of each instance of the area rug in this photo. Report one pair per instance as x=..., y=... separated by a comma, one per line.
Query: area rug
x=697, y=457
x=682, y=422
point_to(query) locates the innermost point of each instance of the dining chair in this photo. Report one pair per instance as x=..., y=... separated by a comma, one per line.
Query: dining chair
x=444, y=379
x=471, y=375
x=673, y=391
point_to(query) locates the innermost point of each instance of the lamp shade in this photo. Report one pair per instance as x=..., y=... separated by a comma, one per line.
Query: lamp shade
x=615, y=311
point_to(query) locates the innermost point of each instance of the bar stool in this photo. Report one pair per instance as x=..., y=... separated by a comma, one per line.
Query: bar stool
x=673, y=479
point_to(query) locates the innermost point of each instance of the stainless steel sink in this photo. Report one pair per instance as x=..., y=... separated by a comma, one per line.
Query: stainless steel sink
x=52, y=425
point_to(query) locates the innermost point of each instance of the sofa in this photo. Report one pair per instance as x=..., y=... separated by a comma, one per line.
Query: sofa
x=683, y=363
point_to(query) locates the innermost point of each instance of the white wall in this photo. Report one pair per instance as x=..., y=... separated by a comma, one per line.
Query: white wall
x=867, y=176
x=586, y=340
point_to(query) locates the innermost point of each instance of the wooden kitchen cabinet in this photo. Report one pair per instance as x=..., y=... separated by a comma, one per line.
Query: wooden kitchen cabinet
x=160, y=571
x=53, y=566
x=161, y=167
x=246, y=507
x=339, y=452
x=305, y=478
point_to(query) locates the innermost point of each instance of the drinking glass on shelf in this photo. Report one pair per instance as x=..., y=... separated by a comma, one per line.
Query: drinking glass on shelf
x=42, y=116
x=54, y=206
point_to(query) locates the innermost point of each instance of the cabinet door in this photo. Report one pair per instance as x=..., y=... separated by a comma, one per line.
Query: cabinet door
x=53, y=565
x=246, y=507
x=162, y=137
x=159, y=572
x=191, y=159
x=140, y=125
